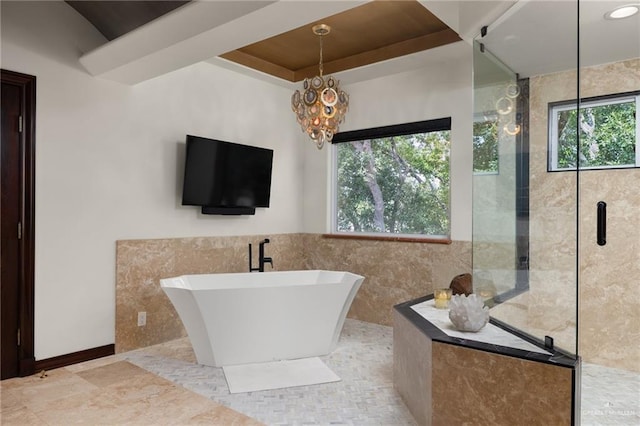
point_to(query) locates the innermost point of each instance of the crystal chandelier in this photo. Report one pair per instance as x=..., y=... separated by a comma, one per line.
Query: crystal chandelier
x=321, y=106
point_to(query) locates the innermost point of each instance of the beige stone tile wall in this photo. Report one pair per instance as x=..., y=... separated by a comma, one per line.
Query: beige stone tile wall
x=609, y=321
x=140, y=264
x=609, y=326
x=609, y=306
x=412, y=372
x=394, y=272
x=552, y=302
x=445, y=384
x=497, y=389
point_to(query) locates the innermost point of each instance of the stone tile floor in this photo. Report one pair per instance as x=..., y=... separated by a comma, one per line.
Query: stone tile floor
x=108, y=392
x=115, y=390
x=364, y=396
x=609, y=396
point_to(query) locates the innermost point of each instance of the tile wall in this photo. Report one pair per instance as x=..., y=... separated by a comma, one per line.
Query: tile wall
x=606, y=326
x=451, y=384
x=609, y=309
x=394, y=272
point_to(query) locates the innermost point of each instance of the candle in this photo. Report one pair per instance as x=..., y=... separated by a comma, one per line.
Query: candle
x=442, y=297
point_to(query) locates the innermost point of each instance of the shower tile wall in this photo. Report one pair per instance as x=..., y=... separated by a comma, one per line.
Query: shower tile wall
x=609, y=317
x=609, y=308
x=553, y=209
x=394, y=272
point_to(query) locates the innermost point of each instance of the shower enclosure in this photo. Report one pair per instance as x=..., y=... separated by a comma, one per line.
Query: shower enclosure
x=556, y=207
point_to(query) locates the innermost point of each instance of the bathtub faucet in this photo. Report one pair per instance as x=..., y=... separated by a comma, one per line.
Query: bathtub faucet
x=261, y=258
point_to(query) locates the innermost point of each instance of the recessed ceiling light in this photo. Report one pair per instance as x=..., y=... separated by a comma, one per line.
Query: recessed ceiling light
x=623, y=12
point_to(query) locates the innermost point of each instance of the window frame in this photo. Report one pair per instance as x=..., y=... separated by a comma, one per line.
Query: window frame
x=426, y=126
x=552, y=127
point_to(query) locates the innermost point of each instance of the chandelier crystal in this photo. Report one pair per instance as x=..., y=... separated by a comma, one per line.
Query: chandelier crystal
x=321, y=105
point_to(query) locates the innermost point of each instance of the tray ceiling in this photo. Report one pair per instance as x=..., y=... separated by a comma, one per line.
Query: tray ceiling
x=373, y=32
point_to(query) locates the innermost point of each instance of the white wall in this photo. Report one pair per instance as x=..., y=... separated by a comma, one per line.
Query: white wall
x=436, y=91
x=108, y=165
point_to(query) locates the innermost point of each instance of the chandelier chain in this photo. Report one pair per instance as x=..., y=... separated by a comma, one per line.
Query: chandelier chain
x=321, y=67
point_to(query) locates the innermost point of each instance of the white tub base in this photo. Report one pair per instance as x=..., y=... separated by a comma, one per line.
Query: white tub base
x=258, y=317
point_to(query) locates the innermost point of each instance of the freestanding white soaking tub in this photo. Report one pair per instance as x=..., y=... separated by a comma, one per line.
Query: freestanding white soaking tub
x=242, y=318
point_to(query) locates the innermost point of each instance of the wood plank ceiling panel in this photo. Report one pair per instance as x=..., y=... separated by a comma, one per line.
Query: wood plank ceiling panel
x=373, y=32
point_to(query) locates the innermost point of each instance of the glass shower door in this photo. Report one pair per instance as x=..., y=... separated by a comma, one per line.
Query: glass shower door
x=609, y=255
x=525, y=236
x=557, y=206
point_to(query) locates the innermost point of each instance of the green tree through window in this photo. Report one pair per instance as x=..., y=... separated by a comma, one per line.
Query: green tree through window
x=485, y=146
x=394, y=185
x=608, y=134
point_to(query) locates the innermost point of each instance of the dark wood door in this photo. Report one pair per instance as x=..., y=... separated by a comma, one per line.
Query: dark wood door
x=16, y=224
x=9, y=250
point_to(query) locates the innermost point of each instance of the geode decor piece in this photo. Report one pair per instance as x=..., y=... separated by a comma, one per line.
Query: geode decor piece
x=468, y=313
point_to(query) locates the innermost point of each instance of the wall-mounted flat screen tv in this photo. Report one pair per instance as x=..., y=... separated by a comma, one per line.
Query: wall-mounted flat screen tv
x=225, y=177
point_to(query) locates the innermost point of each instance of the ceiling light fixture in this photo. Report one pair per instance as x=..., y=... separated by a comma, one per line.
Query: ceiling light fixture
x=321, y=106
x=623, y=11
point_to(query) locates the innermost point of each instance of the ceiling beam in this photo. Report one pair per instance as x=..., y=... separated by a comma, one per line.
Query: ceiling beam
x=199, y=31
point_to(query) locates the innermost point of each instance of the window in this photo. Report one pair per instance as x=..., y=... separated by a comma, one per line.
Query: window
x=609, y=133
x=485, y=146
x=393, y=180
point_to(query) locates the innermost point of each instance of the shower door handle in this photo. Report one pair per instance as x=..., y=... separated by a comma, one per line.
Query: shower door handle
x=602, y=223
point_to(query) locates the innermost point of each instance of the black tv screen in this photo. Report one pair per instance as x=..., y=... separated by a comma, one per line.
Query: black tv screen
x=225, y=174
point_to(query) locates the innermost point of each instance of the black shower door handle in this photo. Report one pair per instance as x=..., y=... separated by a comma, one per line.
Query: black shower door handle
x=602, y=223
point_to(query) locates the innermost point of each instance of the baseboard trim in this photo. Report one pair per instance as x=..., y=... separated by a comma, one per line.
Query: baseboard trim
x=75, y=357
